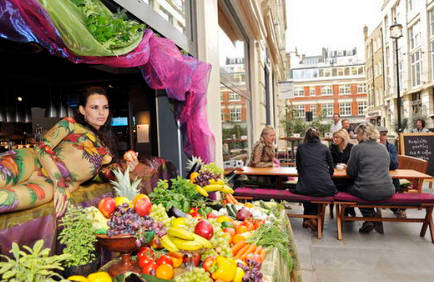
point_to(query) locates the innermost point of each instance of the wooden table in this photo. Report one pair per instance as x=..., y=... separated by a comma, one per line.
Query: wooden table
x=292, y=171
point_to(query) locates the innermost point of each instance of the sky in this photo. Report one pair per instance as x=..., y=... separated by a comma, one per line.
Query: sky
x=334, y=24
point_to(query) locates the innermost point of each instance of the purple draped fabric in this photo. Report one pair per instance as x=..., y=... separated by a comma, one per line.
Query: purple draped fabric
x=163, y=67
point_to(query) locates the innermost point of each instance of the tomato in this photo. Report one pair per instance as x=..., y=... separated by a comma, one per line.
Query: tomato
x=145, y=252
x=207, y=263
x=150, y=268
x=211, y=215
x=144, y=260
x=229, y=231
x=164, y=260
x=176, y=259
x=258, y=223
x=194, y=259
x=164, y=271
x=249, y=225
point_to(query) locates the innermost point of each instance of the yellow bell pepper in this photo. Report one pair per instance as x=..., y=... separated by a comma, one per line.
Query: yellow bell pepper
x=78, y=278
x=99, y=277
x=226, y=269
x=239, y=274
x=222, y=218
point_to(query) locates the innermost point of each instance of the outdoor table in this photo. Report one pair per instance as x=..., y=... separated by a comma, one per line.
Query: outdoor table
x=292, y=171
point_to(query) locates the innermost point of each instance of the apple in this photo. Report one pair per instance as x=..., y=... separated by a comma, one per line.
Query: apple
x=204, y=228
x=143, y=206
x=107, y=206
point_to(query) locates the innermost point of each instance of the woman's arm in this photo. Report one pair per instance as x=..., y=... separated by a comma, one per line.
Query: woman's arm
x=53, y=167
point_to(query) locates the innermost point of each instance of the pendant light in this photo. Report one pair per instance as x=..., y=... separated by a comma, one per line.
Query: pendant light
x=62, y=109
x=8, y=113
x=19, y=113
x=51, y=112
x=2, y=114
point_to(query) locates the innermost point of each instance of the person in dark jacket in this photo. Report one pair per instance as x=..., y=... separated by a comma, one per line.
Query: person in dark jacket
x=340, y=150
x=369, y=167
x=393, y=165
x=315, y=168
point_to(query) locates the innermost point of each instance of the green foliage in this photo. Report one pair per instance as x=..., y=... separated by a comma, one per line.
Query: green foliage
x=235, y=129
x=34, y=266
x=299, y=125
x=181, y=194
x=112, y=30
x=78, y=235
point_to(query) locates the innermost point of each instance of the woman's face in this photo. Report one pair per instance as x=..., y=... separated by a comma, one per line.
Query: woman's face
x=96, y=110
x=269, y=136
x=360, y=136
x=337, y=140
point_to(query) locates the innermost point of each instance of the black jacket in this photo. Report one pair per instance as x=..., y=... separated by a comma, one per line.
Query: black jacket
x=369, y=167
x=315, y=167
x=338, y=156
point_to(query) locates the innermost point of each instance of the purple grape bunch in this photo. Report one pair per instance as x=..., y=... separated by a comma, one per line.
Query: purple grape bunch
x=204, y=177
x=252, y=271
x=126, y=221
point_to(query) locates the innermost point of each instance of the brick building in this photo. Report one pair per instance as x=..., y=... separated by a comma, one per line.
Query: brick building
x=333, y=82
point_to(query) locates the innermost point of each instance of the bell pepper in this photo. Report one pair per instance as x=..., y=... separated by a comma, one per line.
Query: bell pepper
x=239, y=274
x=78, y=278
x=226, y=269
x=99, y=277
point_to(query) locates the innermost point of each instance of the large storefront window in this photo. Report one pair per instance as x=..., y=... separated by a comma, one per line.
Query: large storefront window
x=234, y=93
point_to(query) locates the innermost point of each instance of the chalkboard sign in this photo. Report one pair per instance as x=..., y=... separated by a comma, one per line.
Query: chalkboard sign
x=419, y=145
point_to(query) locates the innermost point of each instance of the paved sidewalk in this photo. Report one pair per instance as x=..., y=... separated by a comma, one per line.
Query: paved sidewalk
x=399, y=254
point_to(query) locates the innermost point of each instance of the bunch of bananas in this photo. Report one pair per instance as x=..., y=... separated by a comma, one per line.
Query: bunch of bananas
x=186, y=240
x=218, y=185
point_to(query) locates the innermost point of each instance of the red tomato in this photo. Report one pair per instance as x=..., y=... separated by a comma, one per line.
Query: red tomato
x=145, y=252
x=144, y=261
x=194, y=259
x=207, y=263
x=211, y=215
x=164, y=260
x=150, y=268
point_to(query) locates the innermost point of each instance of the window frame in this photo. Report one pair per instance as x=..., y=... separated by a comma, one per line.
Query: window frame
x=345, y=111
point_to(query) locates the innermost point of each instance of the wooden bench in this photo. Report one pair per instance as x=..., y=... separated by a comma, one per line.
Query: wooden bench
x=425, y=201
x=408, y=162
x=245, y=193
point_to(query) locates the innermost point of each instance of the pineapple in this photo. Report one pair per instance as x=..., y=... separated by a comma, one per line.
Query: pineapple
x=194, y=164
x=125, y=190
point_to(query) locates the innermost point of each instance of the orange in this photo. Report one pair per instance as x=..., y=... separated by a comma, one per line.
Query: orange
x=164, y=271
x=193, y=176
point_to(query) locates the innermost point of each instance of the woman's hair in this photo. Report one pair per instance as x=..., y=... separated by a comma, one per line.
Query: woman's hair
x=368, y=130
x=342, y=133
x=311, y=135
x=104, y=133
x=421, y=120
x=266, y=129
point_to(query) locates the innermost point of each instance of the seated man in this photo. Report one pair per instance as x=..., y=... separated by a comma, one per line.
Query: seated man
x=347, y=127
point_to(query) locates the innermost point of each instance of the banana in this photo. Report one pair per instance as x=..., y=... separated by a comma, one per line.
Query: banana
x=205, y=243
x=212, y=188
x=180, y=233
x=227, y=189
x=187, y=245
x=201, y=191
x=168, y=244
x=218, y=182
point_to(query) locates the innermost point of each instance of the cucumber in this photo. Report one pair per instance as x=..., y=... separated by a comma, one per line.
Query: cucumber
x=232, y=212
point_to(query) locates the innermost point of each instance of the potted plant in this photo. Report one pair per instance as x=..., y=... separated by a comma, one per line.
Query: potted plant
x=78, y=236
x=34, y=266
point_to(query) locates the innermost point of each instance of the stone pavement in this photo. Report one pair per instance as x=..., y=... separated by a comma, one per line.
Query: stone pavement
x=399, y=254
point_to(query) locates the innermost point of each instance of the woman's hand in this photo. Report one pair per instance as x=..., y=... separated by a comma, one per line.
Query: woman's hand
x=132, y=164
x=61, y=200
x=131, y=158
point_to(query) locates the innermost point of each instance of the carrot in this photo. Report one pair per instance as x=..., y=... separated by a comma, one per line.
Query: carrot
x=258, y=250
x=251, y=249
x=228, y=199
x=234, y=201
x=242, y=251
x=262, y=254
x=238, y=246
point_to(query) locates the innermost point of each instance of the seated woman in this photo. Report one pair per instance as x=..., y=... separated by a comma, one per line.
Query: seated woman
x=369, y=167
x=340, y=150
x=315, y=168
x=263, y=155
x=71, y=152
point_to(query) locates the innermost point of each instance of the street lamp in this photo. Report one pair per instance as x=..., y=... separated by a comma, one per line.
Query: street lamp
x=396, y=33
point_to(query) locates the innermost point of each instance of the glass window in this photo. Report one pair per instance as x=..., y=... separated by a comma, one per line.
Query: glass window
x=327, y=109
x=360, y=70
x=326, y=90
x=299, y=111
x=344, y=89
x=173, y=11
x=414, y=35
x=321, y=72
x=345, y=109
x=334, y=72
x=298, y=92
x=340, y=71
x=327, y=72
x=361, y=88
x=233, y=63
x=416, y=68
x=347, y=71
x=313, y=110
x=353, y=70
x=431, y=17
x=312, y=91
x=362, y=105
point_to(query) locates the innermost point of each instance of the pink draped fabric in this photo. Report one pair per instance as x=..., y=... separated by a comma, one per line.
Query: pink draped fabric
x=163, y=67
